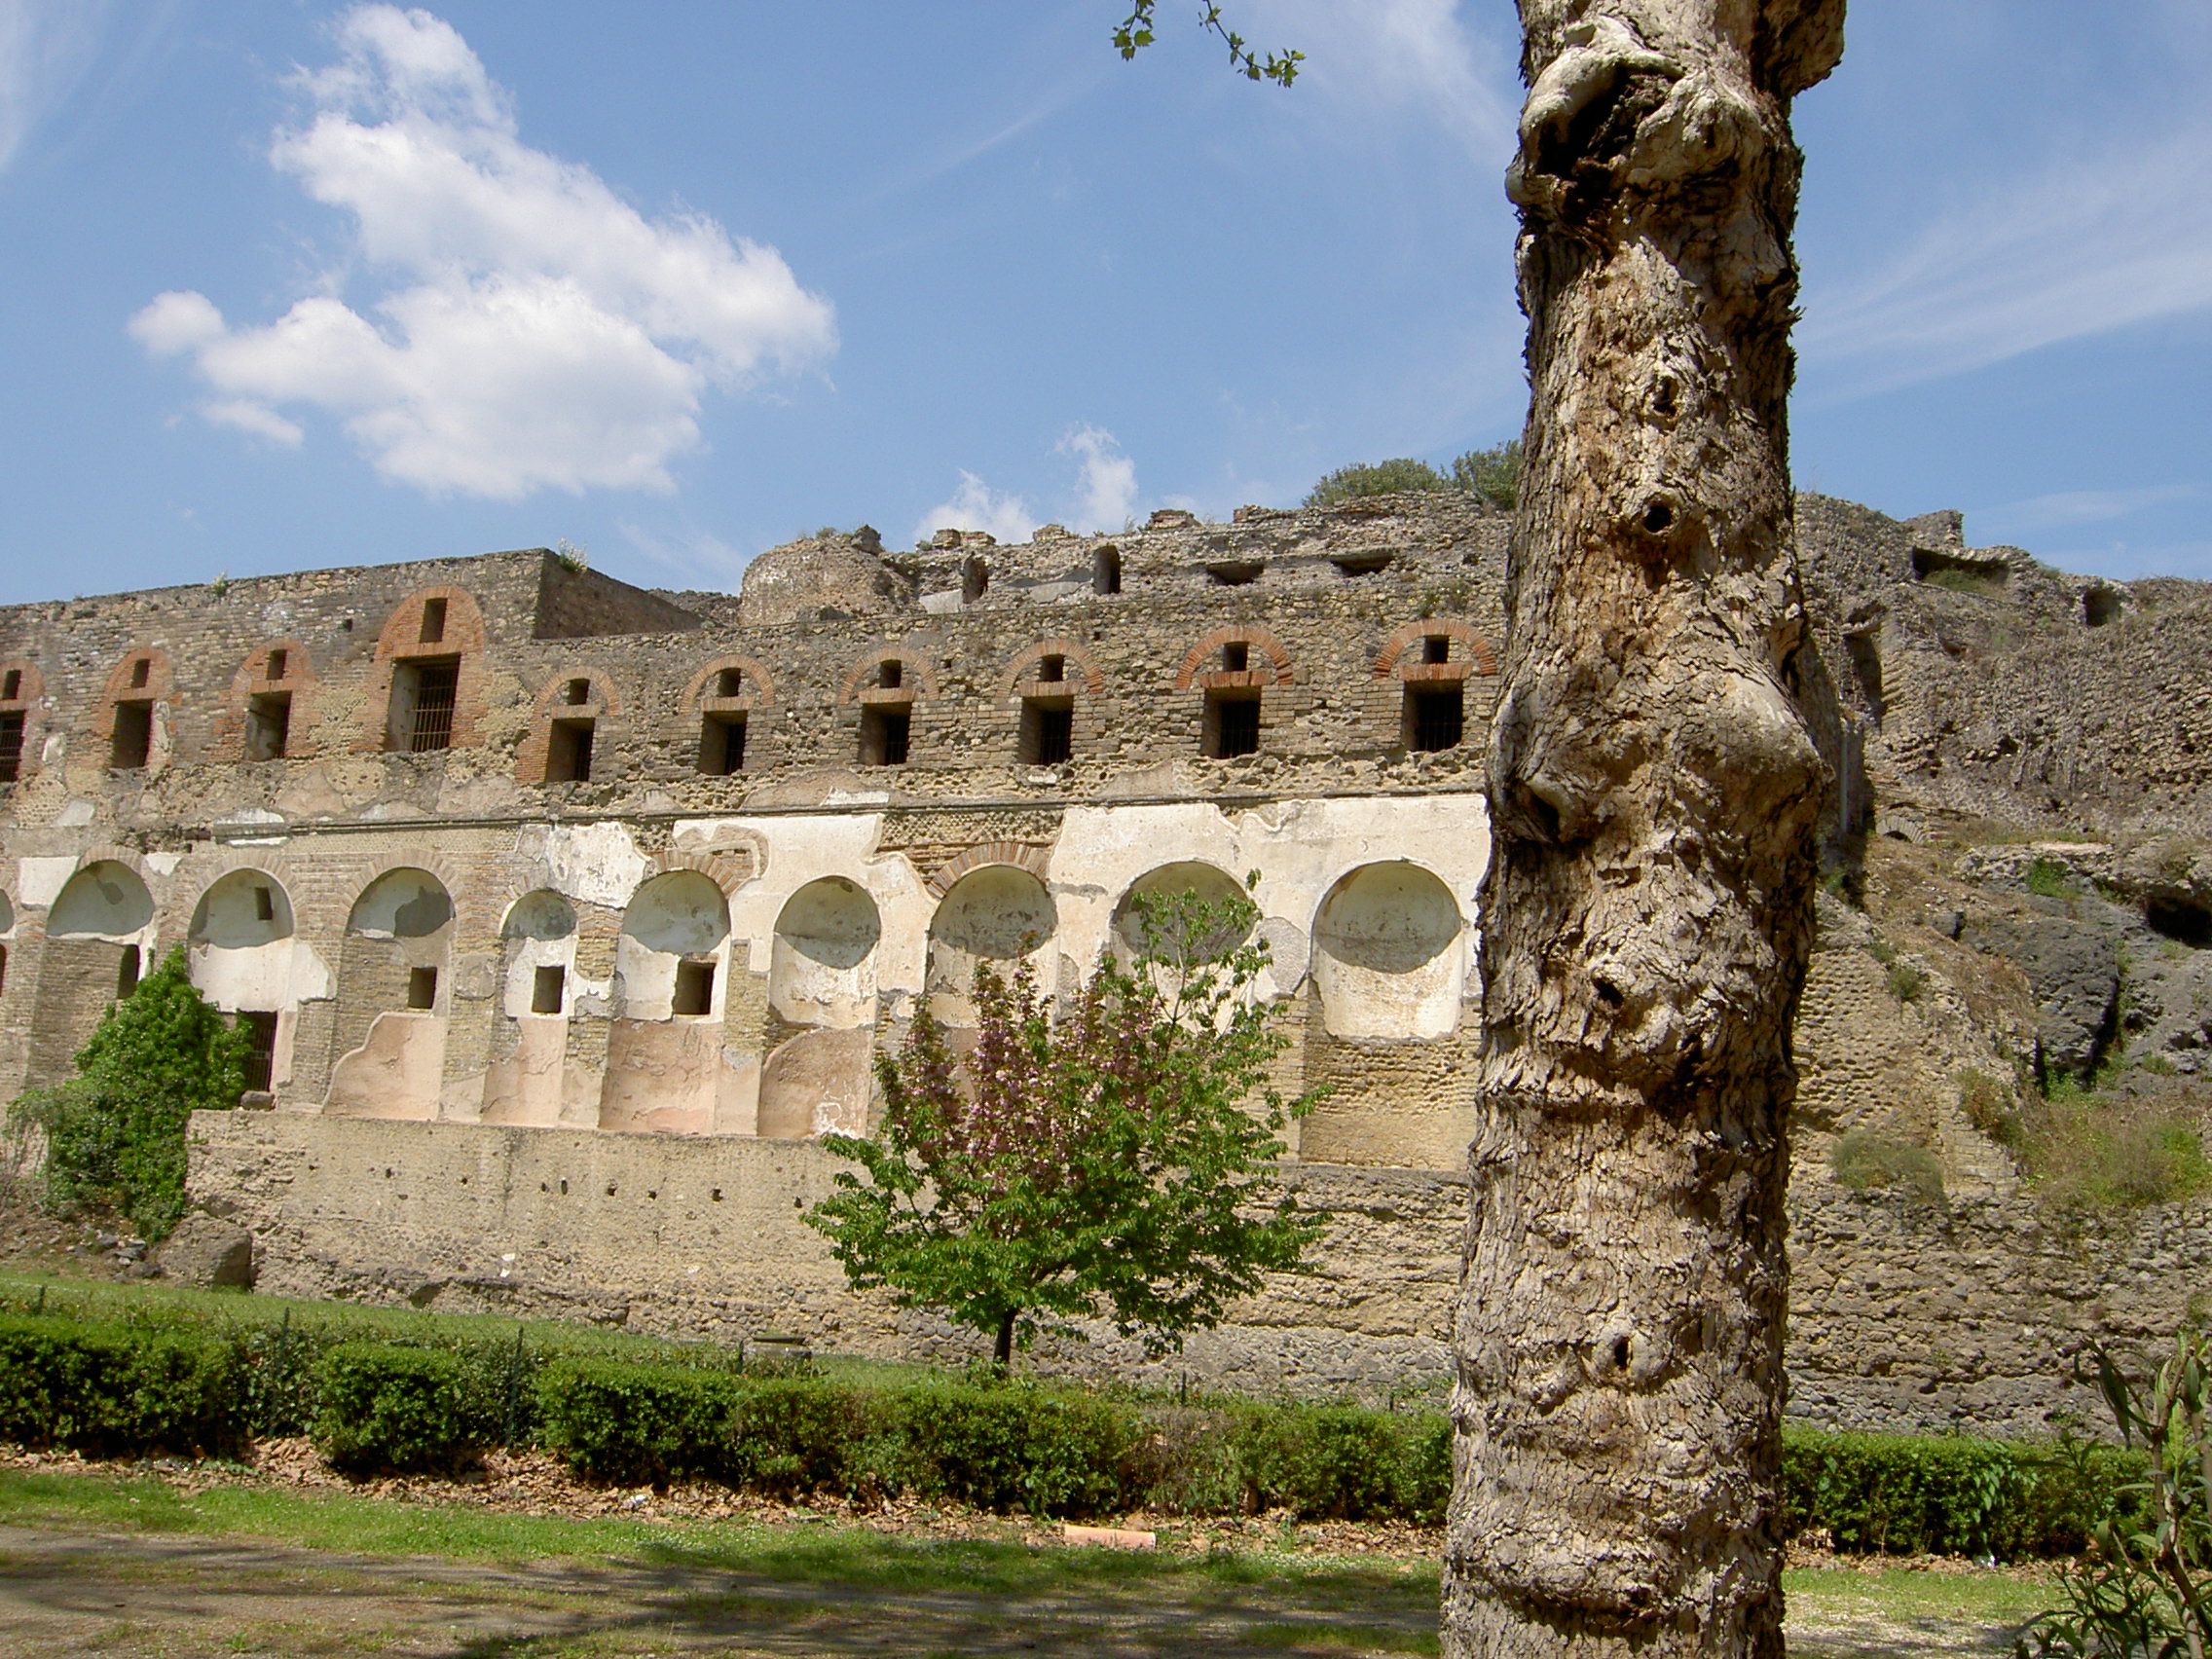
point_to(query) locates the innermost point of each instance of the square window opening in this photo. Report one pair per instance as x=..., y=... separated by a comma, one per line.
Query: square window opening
x=423, y=988
x=1236, y=656
x=1435, y=719
x=11, y=746
x=729, y=683
x=128, y=966
x=268, y=725
x=549, y=990
x=722, y=746
x=577, y=693
x=1052, y=670
x=433, y=630
x=694, y=988
x=1232, y=726
x=1436, y=648
x=422, y=696
x=134, y=737
x=885, y=736
x=891, y=674
x=1048, y=731
x=568, y=752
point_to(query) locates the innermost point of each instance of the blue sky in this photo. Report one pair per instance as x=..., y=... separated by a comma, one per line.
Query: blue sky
x=287, y=285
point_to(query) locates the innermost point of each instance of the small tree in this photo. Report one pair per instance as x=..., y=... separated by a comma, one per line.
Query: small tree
x=1494, y=474
x=115, y=1132
x=1375, y=478
x=1108, y=1163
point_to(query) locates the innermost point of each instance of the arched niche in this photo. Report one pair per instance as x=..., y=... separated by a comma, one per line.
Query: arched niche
x=240, y=944
x=666, y=1065
x=1000, y=914
x=1388, y=960
x=102, y=901
x=388, y=1035
x=822, y=966
x=401, y=904
x=1204, y=882
x=538, y=952
x=668, y=959
x=7, y=915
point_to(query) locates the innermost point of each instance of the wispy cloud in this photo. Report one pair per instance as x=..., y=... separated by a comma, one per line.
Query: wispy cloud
x=45, y=46
x=692, y=555
x=2084, y=246
x=1418, y=55
x=1106, y=493
x=975, y=505
x=2077, y=507
x=537, y=331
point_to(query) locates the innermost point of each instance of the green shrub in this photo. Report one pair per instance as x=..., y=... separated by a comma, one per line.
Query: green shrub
x=109, y=1390
x=115, y=1132
x=797, y=1435
x=637, y=1424
x=1049, y=1452
x=2096, y=1150
x=1377, y=478
x=2047, y=878
x=1494, y=474
x=1901, y=1494
x=1864, y=1160
x=386, y=1407
x=1333, y=1462
x=1989, y=1107
x=1906, y=981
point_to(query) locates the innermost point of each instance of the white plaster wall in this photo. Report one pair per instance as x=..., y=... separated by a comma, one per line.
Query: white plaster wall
x=541, y=932
x=1389, y=962
x=394, y=1074
x=997, y=913
x=672, y=917
x=822, y=962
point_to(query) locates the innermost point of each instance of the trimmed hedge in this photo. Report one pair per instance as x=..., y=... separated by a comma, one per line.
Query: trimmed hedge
x=107, y=1389
x=128, y=1386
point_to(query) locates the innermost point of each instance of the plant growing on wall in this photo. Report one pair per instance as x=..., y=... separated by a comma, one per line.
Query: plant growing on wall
x=115, y=1132
x=1107, y=1159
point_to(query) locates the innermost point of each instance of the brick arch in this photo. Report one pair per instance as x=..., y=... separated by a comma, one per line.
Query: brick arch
x=1022, y=855
x=197, y=877
x=727, y=871
x=601, y=698
x=1257, y=638
x=252, y=679
x=423, y=858
x=1093, y=682
x=160, y=887
x=401, y=637
x=1387, y=660
x=161, y=675
x=753, y=674
x=913, y=659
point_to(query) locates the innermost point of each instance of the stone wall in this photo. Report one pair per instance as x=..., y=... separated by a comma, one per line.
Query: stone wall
x=1902, y=1316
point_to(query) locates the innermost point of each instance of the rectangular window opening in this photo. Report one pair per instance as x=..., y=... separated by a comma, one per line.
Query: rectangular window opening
x=694, y=988
x=259, y=1029
x=264, y=905
x=1236, y=656
x=422, y=695
x=1363, y=564
x=729, y=683
x=891, y=674
x=885, y=735
x=279, y=662
x=141, y=672
x=1233, y=574
x=433, y=621
x=1436, y=648
x=133, y=735
x=11, y=746
x=127, y=970
x=1048, y=731
x=568, y=752
x=1052, y=670
x=722, y=745
x=268, y=725
x=422, y=989
x=1435, y=719
x=1232, y=726
x=549, y=991
x=577, y=693
x=12, y=686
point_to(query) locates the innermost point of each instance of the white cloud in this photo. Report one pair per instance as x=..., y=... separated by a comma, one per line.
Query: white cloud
x=2090, y=244
x=2079, y=507
x=1106, y=495
x=1413, y=54
x=975, y=505
x=536, y=330
x=45, y=46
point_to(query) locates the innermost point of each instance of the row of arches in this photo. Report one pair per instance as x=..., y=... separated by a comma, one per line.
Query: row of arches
x=656, y=1016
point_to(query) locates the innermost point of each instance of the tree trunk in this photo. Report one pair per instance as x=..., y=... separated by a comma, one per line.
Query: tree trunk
x=1002, y=1350
x=1648, y=915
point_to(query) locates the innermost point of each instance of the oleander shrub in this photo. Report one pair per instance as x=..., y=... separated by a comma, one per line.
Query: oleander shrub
x=110, y=1389
x=383, y=1406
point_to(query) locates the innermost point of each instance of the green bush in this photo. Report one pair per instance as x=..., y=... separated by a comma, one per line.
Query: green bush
x=637, y=1424
x=1376, y=478
x=386, y=1407
x=1049, y=1452
x=1863, y=1161
x=1335, y=1462
x=792, y=1435
x=1494, y=474
x=1901, y=1494
x=2047, y=878
x=109, y=1390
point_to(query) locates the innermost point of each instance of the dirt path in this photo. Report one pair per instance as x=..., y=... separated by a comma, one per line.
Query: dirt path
x=69, y=1592
x=164, y=1597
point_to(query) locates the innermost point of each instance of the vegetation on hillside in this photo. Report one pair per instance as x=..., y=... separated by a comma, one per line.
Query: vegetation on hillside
x=1494, y=474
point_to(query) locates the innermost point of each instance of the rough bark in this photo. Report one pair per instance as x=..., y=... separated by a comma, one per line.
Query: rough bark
x=1647, y=916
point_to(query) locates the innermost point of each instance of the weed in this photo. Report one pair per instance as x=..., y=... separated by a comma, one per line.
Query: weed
x=1989, y=1108
x=1865, y=1162
x=2095, y=1151
x=2047, y=878
x=1906, y=981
